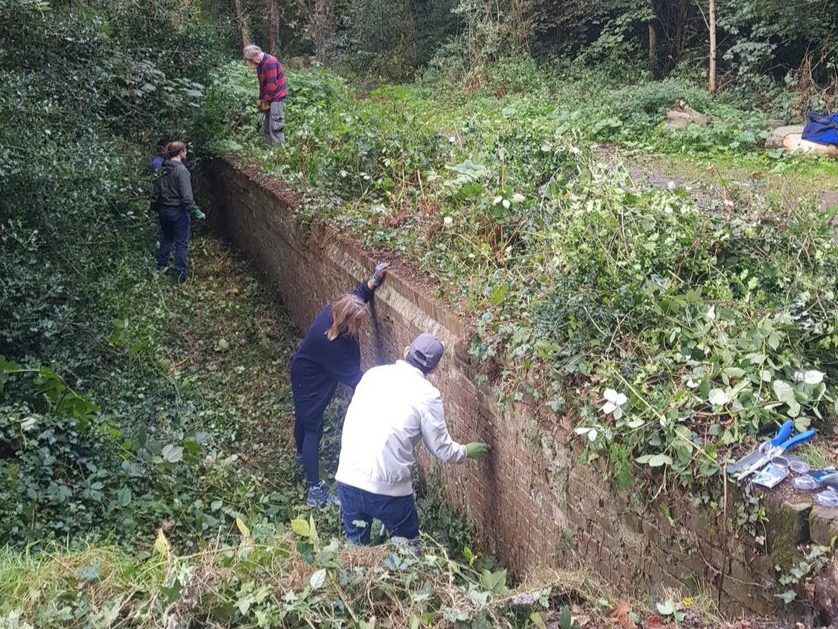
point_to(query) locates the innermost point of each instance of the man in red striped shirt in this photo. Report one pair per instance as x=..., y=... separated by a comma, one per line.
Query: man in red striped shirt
x=272, y=92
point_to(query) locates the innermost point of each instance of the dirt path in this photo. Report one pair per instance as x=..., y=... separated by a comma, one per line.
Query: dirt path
x=732, y=181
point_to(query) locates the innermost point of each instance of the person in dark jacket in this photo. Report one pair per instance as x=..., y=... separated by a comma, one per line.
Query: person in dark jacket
x=329, y=354
x=174, y=203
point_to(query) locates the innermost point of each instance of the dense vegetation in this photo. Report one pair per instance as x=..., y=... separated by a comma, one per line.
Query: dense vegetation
x=577, y=273
x=145, y=468
x=762, y=46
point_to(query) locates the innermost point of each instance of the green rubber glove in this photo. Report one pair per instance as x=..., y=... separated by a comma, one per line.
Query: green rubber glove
x=198, y=214
x=378, y=276
x=477, y=450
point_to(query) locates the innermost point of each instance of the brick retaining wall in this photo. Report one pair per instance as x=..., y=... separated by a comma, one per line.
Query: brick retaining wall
x=534, y=504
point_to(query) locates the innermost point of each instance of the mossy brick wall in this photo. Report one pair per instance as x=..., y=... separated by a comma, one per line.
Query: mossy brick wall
x=535, y=505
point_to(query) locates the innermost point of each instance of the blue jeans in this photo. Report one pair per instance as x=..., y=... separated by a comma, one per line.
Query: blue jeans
x=396, y=513
x=174, y=225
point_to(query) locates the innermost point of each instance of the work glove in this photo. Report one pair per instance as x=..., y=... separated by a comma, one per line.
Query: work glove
x=378, y=276
x=477, y=450
x=198, y=214
x=263, y=106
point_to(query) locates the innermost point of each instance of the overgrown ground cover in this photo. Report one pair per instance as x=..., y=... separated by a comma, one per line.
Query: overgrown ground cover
x=145, y=468
x=171, y=496
x=135, y=416
x=692, y=322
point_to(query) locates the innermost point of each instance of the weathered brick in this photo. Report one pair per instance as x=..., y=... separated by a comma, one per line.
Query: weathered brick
x=533, y=497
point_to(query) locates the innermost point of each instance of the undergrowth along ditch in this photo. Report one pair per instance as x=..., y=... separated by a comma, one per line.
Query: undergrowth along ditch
x=275, y=578
x=151, y=438
x=139, y=421
x=175, y=496
x=685, y=325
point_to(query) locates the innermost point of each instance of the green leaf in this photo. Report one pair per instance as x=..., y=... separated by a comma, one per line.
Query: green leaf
x=123, y=497
x=318, y=579
x=494, y=581
x=172, y=453
x=734, y=372
x=468, y=553
x=718, y=397
x=90, y=574
x=300, y=527
x=685, y=435
x=654, y=460
x=499, y=294
x=783, y=391
x=787, y=597
x=665, y=609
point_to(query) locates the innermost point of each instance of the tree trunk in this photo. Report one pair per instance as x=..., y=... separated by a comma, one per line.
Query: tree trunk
x=653, y=51
x=302, y=15
x=324, y=30
x=273, y=27
x=712, y=27
x=244, y=23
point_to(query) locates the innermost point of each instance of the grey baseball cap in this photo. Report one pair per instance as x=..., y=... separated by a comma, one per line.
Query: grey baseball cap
x=426, y=350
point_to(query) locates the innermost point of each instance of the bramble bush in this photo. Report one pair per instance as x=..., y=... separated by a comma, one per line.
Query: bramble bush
x=86, y=89
x=707, y=320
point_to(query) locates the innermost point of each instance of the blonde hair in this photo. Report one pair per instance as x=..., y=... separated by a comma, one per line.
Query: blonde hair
x=348, y=313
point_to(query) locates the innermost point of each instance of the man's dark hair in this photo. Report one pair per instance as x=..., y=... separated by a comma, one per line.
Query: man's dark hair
x=162, y=143
x=173, y=149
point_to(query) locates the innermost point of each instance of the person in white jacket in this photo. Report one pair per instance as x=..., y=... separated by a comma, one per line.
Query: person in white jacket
x=394, y=408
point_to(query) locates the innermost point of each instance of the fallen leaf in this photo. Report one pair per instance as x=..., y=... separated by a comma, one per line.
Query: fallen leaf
x=655, y=622
x=622, y=615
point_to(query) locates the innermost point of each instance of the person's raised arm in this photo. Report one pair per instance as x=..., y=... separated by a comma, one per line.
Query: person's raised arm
x=366, y=289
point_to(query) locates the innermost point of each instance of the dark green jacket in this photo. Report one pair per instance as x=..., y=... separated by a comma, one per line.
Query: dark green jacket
x=173, y=187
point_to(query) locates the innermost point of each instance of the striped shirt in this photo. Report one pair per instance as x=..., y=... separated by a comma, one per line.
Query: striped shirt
x=271, y=79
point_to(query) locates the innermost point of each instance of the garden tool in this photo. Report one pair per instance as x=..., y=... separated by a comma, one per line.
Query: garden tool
x=775, y=448
x=747, y=461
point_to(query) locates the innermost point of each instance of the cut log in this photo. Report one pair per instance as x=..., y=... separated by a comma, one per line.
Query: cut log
x=790, y=138
x=682, y=115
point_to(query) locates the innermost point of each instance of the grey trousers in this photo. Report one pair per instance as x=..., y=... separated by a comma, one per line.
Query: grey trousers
x=275, y=123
